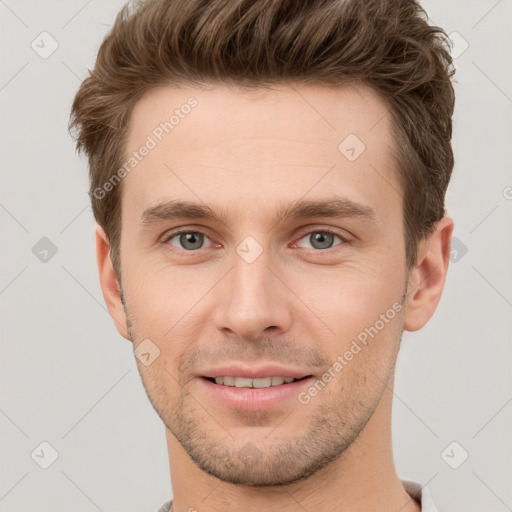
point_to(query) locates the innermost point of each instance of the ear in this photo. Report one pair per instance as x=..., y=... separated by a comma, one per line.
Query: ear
x=426, y=280
x=109, y=283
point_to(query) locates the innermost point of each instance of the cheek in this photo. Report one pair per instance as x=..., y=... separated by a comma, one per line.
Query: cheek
x=347, y=301
x=157, y=295
x=170, y=308
x=364, y=354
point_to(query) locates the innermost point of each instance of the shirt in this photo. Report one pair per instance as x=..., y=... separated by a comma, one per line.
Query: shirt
x=421, y=495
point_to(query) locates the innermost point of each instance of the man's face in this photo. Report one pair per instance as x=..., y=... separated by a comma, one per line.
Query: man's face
x=254, y=294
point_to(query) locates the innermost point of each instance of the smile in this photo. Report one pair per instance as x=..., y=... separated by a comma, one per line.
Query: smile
x=253, y=394
x=244, y=382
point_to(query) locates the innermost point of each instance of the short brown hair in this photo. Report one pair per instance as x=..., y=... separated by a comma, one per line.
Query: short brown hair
x=385, y=44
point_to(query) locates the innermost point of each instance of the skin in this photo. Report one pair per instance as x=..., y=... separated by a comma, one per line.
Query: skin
x=245, y=153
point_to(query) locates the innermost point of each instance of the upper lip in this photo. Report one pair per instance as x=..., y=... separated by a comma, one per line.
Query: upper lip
x=253, y=372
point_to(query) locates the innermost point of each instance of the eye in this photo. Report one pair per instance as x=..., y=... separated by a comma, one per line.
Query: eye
x=188, y=240
x=322, y=239
x=194, y=240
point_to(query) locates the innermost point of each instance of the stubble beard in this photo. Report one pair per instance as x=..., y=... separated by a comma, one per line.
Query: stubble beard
x=332, y=429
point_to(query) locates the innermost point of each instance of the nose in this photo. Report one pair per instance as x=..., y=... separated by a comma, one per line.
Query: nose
x=252, y=301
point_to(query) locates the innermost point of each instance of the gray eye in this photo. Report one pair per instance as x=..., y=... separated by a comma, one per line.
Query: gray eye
x=189, y=240
x=321, y=239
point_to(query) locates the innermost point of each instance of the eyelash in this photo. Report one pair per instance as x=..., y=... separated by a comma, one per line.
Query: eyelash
x=168, y=238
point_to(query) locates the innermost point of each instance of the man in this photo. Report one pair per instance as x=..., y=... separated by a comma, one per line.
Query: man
x=268, y=180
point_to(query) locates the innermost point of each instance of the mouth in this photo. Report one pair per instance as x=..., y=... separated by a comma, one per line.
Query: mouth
x=245, y=389
x=257, y=383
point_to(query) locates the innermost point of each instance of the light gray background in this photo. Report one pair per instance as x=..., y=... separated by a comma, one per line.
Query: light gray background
x=68, y=378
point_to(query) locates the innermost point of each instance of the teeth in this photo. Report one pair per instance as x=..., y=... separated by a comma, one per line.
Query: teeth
x=229, y=381
x=262, y=383
x=244, y=382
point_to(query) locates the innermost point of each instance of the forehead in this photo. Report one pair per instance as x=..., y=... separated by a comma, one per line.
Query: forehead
x=264, y=112
x=265, y=145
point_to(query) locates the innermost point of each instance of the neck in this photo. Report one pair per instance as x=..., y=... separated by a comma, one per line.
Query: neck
x=362, y=478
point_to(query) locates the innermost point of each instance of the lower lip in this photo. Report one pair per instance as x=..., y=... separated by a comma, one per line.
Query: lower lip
x=254, y=399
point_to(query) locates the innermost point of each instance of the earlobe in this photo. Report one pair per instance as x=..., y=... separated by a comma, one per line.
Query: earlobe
x=426, y=281
x=109, y=283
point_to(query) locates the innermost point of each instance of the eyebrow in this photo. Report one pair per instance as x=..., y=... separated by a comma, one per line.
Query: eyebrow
x=335, y=207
